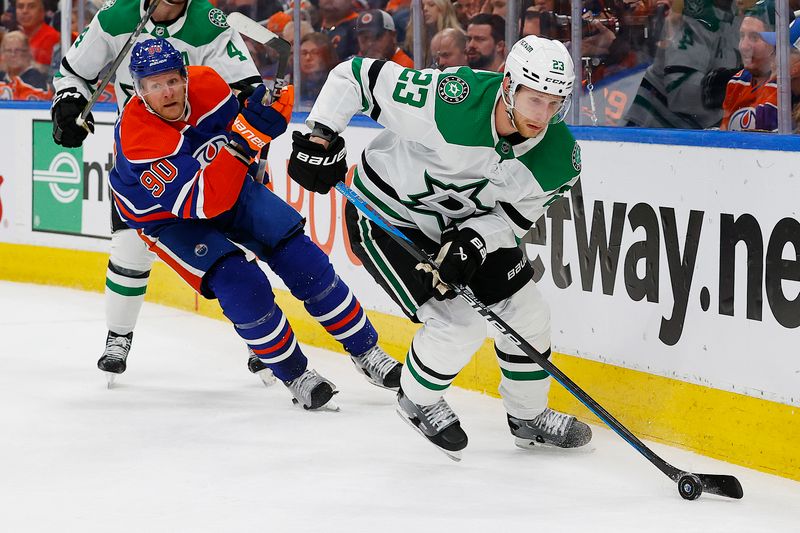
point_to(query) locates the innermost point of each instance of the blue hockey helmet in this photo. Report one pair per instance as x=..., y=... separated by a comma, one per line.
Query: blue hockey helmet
x=154, y=56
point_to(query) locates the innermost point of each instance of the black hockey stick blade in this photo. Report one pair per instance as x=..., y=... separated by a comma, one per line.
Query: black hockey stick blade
x=721, y=485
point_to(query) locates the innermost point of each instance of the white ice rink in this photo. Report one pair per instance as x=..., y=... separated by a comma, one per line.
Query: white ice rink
x=190, y=441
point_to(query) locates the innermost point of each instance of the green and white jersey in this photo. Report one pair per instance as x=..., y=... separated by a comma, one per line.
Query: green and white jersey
x=440, y=160
x=202, y=35
x=670, y=95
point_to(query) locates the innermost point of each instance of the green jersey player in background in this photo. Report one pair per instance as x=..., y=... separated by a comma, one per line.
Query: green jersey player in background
x=467, y=162
x=200, y=32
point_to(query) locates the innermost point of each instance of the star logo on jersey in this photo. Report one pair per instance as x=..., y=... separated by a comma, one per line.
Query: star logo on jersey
x=108, y=4
x=453, y=89
x=576, y=157
x=217, y=18
x=448, y=201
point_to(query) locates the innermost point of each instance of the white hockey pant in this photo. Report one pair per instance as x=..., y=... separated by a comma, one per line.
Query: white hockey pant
x=451, y=333
x=126, y=280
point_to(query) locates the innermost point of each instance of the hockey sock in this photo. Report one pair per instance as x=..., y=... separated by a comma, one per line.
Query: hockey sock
x=308, y=273
x=246, y=298
x=124, y=296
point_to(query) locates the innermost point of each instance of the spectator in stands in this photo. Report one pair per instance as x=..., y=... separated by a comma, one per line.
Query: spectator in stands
x=448, y=48
x=670, y=94
x=288, y=30
x=751, y=100
x=41, y=37
x=529, y=22
x=317, y=58
x=437, y=15
x=20, y=80
x=400, y=10
x=339, y=23
x=486, y=42
x=377, y=38
x=465, y=10
x=754, y=87
x=495, y=7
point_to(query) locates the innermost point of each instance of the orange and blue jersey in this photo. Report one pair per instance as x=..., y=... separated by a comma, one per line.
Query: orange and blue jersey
x=177, y=170
x=743, y=97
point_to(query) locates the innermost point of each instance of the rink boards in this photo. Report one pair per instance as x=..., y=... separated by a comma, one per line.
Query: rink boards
x=672, y=272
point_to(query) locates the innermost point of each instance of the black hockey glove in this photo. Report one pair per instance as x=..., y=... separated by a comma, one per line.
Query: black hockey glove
x=714, y=85
x=68, y=105
x=316, y=168
x=461, y=254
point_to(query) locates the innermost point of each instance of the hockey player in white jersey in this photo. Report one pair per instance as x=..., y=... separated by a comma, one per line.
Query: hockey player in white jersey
x=200, y=32
x=467, y=162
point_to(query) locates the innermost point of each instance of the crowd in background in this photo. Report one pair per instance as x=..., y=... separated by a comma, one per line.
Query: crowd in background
x=696, y=64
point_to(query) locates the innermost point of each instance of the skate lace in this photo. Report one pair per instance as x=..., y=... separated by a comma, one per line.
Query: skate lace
x=117, y=348
x=553, y=422
x=304, y=384
x=376, y=362
x=439, y=415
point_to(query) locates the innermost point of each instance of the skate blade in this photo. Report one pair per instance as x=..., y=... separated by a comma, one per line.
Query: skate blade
x=530, y=444
x=455, y=456
x=329, y=406
x=267, y=377
x=110, y=377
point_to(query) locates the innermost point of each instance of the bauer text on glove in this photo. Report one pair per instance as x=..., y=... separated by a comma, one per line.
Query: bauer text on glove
x=315, y=167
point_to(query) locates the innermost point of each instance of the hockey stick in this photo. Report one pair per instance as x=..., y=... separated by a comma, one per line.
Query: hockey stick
x=255, y=31
x=81, y=120
x=690, y=485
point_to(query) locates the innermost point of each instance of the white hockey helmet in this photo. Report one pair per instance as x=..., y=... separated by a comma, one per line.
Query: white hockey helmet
x=543, y=65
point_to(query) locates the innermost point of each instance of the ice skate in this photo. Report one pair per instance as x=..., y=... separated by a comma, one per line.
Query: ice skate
x=257, y=367
x=550, y=428
x=437, y=423
x=379, y=369
x=312, y=391
x=113, y=361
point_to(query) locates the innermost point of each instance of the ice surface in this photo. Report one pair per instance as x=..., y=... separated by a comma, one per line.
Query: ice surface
x=190, y=441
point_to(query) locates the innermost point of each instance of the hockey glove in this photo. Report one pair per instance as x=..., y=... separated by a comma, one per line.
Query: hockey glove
x=461, y=254
x=714, y=85
x=766, y=117
x=68, y=105
x=258, y=124
x=314, y=167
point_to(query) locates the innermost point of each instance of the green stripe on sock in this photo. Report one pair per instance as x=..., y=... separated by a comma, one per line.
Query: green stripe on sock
x=525, y=376
x=125, y=291
x=422, y=381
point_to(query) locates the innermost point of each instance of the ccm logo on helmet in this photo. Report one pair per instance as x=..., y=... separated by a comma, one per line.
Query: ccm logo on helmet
x=318, y=160
x=553, y=80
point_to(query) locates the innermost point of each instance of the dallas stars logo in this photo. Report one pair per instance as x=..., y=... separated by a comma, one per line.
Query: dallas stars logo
x=217, y=18
x=447, y=201
x=453, y=89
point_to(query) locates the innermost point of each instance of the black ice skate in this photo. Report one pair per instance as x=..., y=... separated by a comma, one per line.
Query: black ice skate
x=312, y=391
x=257, y=367
x=113, y=361
x=550, y=428
x=437, y=423
x=379, y=368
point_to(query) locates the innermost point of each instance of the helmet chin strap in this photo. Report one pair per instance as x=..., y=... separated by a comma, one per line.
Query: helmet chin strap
x=509, y=110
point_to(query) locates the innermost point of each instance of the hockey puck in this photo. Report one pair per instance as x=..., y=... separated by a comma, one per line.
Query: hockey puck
x=690, y=487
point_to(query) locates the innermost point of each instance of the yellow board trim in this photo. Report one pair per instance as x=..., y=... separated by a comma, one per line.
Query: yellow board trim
x=740, y=429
